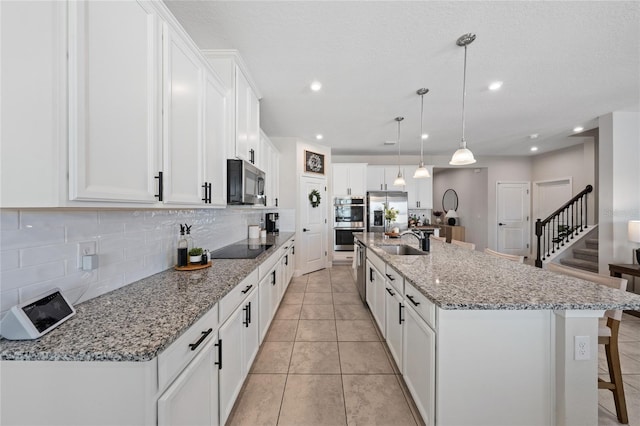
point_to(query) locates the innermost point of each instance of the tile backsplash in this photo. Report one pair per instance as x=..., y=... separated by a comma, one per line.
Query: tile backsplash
x=39, y=248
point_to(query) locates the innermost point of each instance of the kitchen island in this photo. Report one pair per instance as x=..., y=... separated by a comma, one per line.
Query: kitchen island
x=497, y=336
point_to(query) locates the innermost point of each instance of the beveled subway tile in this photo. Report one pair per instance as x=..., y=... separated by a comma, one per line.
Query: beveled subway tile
x=317, y=312
x=313, y=400
x=375, y=399
x=364, y=358
x=356, y=331
x=351, y=312
x=273, y=358
x=315, y=358
x=288, y=312
x=316, y=331
x=259, y=401
x=282, y=331
x=317, y=299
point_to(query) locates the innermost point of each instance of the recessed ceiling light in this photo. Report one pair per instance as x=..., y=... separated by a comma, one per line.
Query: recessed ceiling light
x=319, y=136
x=534, y=148
x=316, y=85
x=425, y=136
x=495, y=85
x=533, y=136
x=578, y=129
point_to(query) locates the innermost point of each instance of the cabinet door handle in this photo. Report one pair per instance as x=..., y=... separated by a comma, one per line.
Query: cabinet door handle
x=391, y=277
x=246, y=315
x=276, y=202
x=219, y=362
x=247, y=289
x=160, y=188
x=193, y=346
x=371, y=276
x=209, y=188
x=293, y=250
x=273, y=277
x=286, y=260
x=206, y=197
x=389, y=291
x=400, y=307
x=412, y=301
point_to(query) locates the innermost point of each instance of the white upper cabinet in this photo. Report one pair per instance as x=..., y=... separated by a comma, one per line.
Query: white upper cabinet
x=244, y=122
x=420, y=191
x=33, y=163
x=114, y=101
x=215, y=118
x=349, y=179
x=270, y=165
x=183, y=123
x=380, y=178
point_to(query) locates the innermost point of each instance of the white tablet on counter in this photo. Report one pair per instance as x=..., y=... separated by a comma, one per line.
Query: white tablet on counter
x=36, y=317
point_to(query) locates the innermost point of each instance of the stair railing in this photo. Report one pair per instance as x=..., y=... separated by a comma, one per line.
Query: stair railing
x=562, y=225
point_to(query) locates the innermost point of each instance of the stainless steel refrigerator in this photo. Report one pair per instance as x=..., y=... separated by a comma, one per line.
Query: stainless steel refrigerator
x=375, y=209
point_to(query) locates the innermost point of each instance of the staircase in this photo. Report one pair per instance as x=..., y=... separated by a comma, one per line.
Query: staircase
x=585, y=258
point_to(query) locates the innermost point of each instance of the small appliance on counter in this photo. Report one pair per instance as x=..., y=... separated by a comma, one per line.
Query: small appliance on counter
x=272, y=221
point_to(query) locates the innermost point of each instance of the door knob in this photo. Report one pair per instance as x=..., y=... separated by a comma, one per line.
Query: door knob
x=305, y=229
x=501, y=224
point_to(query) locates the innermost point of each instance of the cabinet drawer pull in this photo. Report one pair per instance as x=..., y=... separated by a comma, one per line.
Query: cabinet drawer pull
x=391, y=277
x=246, y=316
x=400, y=307
x=247, y=289
x=286, y=260
x=160, y=189
x=389, y=291
x=219, y=362
x=273, y=277
x=412, y=301
x=193, y=346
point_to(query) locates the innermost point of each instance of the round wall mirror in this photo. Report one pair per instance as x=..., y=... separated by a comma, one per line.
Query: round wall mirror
x=449, y=200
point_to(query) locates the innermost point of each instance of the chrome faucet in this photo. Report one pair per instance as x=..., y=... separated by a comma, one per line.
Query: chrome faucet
x=422, y=237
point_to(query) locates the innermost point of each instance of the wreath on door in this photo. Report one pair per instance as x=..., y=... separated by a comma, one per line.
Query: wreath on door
x=314, y=198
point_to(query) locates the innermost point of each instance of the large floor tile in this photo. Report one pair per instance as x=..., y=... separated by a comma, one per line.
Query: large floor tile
x=347, y=299
x=259, y=402
x=317, y=298
x=364, y=358
x=632, y=396
x=317, y=312
x=351, y=312
x=316, y=331
x=356, y=331
x=344, y=288
x=292, y=298
x=375, y=400
x=313, y=400
x=630, y=349
x=282, y=331
x=290, y=312
x=315, y=358
x=297, y=287
x=319, y=287
x=273, y=358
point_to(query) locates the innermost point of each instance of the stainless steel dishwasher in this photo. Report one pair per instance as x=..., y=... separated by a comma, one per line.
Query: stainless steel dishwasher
x=361, y=270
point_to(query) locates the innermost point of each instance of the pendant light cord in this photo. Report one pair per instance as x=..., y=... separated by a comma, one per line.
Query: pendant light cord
x=463, y=143
x=399, y=119
x=421, y=130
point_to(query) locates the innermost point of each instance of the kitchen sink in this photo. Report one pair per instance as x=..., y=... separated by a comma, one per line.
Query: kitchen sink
x=402, y=250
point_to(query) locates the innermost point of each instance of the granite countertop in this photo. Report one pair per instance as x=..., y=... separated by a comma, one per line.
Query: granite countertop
x=139, y=320
x=457, y=278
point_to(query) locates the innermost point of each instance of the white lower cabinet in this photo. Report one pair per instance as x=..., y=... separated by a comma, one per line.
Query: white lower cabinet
x=418, y=362
x=394, y=320
x=239, y=340
x=192, y=399
x=376, y=295
x=269, y=297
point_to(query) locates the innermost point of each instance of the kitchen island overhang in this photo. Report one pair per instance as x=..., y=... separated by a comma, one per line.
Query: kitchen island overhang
x=504, y=336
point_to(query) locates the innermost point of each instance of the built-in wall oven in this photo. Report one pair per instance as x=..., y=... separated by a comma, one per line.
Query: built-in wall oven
x=348, y=217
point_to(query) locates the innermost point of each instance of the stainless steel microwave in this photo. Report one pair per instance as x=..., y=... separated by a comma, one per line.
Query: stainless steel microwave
x=245, y=183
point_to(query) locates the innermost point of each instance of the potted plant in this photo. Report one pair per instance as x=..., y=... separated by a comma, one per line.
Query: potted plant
x=390, y=215
x=437, y=214
x=195, y=255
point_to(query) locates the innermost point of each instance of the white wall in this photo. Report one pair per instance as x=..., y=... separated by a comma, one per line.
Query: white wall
x=471, y=187
x=619, y=182
x=39, y=248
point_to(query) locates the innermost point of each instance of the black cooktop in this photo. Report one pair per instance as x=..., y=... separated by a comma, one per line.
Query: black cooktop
x=240, y=251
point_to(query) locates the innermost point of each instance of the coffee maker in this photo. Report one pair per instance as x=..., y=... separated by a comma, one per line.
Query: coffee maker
x=272, y=221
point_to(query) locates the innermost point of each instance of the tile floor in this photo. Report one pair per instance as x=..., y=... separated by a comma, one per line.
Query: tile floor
x=323, y=362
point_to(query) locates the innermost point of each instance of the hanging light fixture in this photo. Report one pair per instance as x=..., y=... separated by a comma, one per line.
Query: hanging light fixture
x=399, y=180
x=463, y=156
x=421, y=171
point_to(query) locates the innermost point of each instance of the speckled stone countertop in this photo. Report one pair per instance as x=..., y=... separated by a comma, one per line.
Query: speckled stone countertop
x=138, y=321
x=457, y=278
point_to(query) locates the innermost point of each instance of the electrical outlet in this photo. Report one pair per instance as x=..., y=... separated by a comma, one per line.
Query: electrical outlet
x=85, y=248
x=582, y=349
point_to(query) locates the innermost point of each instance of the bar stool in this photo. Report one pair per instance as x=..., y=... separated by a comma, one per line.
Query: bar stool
x=441, y=239
x=607, y=336
x=511, y=257
x=463, y=244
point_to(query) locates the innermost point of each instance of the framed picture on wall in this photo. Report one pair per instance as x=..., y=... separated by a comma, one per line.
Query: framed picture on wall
x=313, y=162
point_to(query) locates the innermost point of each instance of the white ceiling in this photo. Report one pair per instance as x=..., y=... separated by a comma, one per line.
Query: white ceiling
x=563, y=63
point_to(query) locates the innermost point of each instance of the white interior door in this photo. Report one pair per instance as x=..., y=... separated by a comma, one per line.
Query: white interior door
x=313, y=226
x=513, y=217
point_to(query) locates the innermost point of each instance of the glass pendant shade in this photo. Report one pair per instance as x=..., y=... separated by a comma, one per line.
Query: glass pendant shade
x=399, y=180
x=421, y=172
x=462, y=157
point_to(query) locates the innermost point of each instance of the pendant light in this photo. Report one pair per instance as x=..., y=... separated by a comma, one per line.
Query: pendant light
x=399, y=180
x=421, y=171
x=463, y=156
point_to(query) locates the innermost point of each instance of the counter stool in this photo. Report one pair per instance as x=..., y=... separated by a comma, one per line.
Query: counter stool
x=607, y=336
x=511, y=257
x=463, y=244
x=441, y=239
